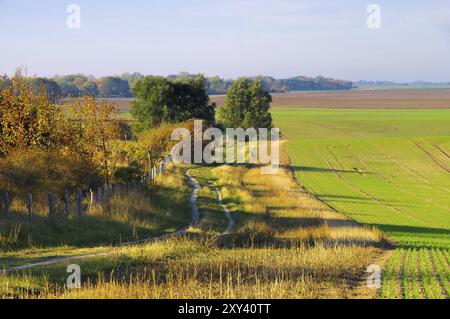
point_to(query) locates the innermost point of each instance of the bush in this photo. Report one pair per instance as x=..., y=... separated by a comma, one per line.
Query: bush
x=38, y=172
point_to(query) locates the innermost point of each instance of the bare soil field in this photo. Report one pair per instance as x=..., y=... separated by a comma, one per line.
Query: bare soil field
x=426, y=98
x=363, y=99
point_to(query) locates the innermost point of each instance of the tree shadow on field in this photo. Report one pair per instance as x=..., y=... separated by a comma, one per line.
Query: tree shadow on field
x=421, y=237
x=112, y=225
x=313, y=169
x=356, y=199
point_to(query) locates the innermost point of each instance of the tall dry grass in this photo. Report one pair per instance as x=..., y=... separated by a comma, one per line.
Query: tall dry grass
x=285, y=244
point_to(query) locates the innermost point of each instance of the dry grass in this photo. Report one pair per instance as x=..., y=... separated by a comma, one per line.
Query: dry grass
x=147, y=213
x=285, y=244
x=194, y=269
x=288, y=211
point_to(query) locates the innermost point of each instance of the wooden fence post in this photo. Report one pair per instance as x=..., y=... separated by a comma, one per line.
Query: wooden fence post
x=51, y=207
x=66, y=205
x=79, y=203
x=91, y=200
x=6, y=205
x=30, y=207
x=149, y=155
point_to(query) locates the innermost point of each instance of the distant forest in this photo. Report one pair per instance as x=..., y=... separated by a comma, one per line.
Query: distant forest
x=120, y=86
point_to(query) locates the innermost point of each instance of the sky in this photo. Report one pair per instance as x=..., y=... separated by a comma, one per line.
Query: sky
x=229, y=38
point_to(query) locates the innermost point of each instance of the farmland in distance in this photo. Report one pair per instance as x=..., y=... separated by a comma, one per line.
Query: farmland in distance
x=385, y=168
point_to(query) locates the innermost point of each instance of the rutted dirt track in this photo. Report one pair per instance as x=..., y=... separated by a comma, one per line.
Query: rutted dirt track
x=195, y=221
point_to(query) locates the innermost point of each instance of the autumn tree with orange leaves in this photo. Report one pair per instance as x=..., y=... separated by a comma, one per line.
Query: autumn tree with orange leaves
x=85, y=128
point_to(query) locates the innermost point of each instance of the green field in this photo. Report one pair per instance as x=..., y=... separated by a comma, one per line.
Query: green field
x=387, y=168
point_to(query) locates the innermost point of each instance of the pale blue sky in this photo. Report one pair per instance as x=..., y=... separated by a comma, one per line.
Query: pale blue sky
x=229, y=38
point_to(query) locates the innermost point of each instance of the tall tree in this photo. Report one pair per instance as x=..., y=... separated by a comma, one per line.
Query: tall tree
x=153, y=100
x=160, y=100
x=247, y=105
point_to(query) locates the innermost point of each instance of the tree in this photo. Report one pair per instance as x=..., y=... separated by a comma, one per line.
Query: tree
x=5, y=82
x=191, y=101
x=132, y=78
x=69, y=90
x=114, y=87
x=159, y=100
x=153, y=100
x=93, y=130
x=89, y=88
x=247, y=105
x=85, y=129
x=27, y=119
x=53, y=91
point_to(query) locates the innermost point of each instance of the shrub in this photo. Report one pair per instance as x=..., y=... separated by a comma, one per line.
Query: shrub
x=38, y=172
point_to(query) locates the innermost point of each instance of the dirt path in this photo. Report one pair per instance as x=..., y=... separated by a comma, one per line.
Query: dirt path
x=195, y=221
x=196, y=187
x=99, y=254
x=195, y=211
x=225, y=210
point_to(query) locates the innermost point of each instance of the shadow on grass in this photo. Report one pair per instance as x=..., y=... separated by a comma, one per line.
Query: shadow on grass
x=418, y=237
x=323, y=170
x=138, y=218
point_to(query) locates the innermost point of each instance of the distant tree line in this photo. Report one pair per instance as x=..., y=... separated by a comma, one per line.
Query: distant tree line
x=216, y=85
x=121, y=86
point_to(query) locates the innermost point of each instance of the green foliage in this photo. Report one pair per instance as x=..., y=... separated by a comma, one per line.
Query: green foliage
x=69, y=90
x=114, y=87
x=132, y=78
x=247, y=105
x=153, y=98
x=53, y=91
x=216, y=85
x=159, y=100
x=89, y=88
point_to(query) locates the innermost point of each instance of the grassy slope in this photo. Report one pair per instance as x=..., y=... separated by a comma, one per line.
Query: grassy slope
x=387, y=168
x=280, y=247
x=126, y=219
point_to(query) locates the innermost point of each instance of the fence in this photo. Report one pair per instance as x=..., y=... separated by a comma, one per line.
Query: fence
x=84, y=201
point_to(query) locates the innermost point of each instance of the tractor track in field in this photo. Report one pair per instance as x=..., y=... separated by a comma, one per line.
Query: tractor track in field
x=433, y=158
